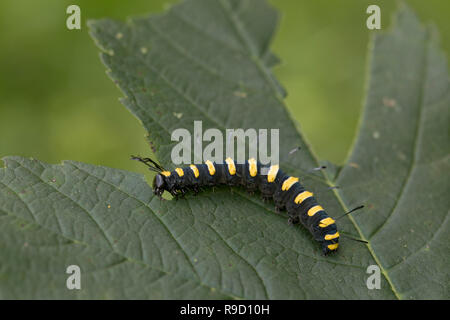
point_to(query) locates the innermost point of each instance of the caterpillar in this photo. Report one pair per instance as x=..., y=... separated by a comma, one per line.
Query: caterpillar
x=286, y=191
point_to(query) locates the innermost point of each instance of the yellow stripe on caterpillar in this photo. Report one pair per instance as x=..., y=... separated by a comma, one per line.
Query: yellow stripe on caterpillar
x=312, y=215
x=333, y=246
x=165, y=173
x=287, y=184
x=272, y=174
x=332, y=236
x=231, y=166
x=180, y=172
x=252, y=167
x=326, y=222
x=312, y=211
x=194, y=170
x=302, y=196
x=211, y=167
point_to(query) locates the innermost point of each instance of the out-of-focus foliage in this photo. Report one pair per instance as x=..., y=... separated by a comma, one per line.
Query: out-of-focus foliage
x=56, y=102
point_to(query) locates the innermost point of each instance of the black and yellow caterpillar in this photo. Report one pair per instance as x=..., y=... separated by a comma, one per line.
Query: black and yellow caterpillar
x=286, y=191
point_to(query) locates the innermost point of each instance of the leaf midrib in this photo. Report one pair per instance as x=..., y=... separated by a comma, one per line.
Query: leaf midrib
x=417, y=135
x=238, y=27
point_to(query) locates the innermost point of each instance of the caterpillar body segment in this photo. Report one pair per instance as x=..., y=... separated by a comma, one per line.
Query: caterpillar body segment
x=287, y=192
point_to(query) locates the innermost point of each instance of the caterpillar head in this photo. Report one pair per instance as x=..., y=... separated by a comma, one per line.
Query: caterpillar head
x=159, y=184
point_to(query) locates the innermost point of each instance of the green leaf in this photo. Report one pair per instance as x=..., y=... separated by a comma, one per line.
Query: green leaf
x=400, y=162
x=209, y=61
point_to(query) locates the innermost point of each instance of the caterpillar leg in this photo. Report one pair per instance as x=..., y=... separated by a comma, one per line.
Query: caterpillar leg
x=293, y=220
x=196, y=190
x=177, y=194
x=174, y=194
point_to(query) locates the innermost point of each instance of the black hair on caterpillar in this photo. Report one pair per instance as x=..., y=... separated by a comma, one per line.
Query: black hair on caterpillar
x=286, y=191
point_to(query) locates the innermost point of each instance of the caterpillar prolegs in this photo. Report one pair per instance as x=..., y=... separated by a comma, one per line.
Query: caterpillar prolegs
x=286, y=191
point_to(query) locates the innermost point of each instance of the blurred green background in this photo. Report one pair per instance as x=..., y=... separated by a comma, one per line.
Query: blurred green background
x=57, y=103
